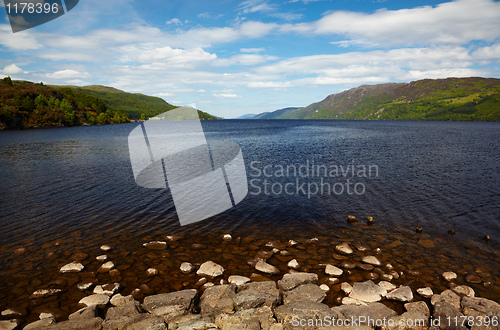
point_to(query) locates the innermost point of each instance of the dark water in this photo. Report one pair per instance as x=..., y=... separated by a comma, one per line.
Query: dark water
x=70, y=190
x=440, y=175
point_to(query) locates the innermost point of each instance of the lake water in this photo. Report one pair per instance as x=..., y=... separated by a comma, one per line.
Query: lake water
x=74, y=186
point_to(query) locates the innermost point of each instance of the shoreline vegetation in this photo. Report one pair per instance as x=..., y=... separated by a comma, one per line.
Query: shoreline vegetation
x=26, y=105
x=226, y=281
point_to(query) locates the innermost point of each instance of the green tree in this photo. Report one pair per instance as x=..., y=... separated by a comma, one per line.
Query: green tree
x=41, y=101
x=102, y=118
x=69, y=113
x=143, y=116
x=6, y=81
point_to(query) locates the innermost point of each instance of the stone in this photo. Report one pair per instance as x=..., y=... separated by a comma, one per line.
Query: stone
x=227, y=237
x=118, y=299
x=372, y=311
x=124, y=322
x=251, y=298
x=255, y=318
x=47, y=315
x=168, y=313
x=346, y=288
x=449, y=276
x=186, y=267
x=211, y=269
x=333, y=271
x=425, y=292
x=79, y=324
x=371, y=260
x=403, y=293
x=420, y=306
x=291, y=281
x=304, y=292
x=325, y=288
x=411, y=320
x=443, y=311
x=293, y=264
x=40, y=324
x=472, y=278
x=155, y=245
x=347, y=265
x=238, y=280
x=106, y=267
x=44, y=293
x=475, y=306
x=84, y=286
x=292, y=243
x=73, y=267
x=218, y=299
x=367, y=292
x=447, y=296
x=266, y=268
x=100, y=300
x=268, y=287
x=332, y=281
x=128, y=309
x=102, y=258
x=186, y=298
x=351, y=301
x=386, y=285
x=105, y=247
x=427, y=243
x=193, y=322
x=88, y=312
x=151, y=272
x=150, y=323
x=464, y=290
x=344, y=248
x=386, y=277
x=107, y=289
x=304, y=309
x=15, y=312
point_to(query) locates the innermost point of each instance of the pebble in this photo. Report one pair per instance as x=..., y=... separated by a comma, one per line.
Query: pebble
x=107, y=289
x=238, y=280
x=371, y=260
x=84, y=286
x=100, y=300
x=106, y=267
x=73, y=267
x=346, y=288
x=266, y=268
x=151, y=272
x=387, y=285
x=344, y=248
x=227, y=237
x=425, y=292
x=293, y=264
x=44, y=293
x=155, y=245
x=105, y=247
x=351, y=218
x=102, y=258
x=333, y=270
x=473, y=279
x=186, y=267
x=325, y=288
x=210, y=268
x=449, y=276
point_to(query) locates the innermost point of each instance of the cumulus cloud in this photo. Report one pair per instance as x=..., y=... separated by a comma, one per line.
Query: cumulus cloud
x=226, y=96
x=12, y=70
x=67, y=74
x=457, y=22
x=174, y=21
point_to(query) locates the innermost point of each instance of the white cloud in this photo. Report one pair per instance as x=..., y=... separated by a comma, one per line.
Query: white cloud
x=24, y=40
x=252, y=50
x=12, y=70
x=67, y=74
x=174, y=21
x=176, y=57
x=226, y=96
x=457, y=22
x=164, y=94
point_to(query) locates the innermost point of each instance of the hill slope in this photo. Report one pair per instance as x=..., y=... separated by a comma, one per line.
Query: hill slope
x=134, y=104
x=472, y=99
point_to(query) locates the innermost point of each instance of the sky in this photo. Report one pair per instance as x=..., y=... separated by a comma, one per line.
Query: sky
x=231, y=58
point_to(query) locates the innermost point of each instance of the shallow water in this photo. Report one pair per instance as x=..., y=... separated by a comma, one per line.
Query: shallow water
x=71, y=190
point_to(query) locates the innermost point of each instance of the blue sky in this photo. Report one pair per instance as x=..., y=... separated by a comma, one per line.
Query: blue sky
x=230, y=58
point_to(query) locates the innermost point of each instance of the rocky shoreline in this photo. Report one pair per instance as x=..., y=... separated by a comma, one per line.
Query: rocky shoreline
x=252, y=283
x=294, y=302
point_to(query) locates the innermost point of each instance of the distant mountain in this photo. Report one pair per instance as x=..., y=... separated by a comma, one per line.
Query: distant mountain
x=247, y=116
x=275, y=114
x=462, y=99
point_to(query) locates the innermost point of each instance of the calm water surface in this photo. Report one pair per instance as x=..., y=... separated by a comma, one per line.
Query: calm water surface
x=440, y=175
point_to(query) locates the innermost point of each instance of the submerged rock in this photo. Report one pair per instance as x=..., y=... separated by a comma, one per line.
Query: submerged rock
x=291, y=281
x=186, y=267
x=293, y=264
x=155, y=245
x=371, y=260
x=344, y=248
x=425, y=292
x=266, y=268
x=211, y=269
x=333, y=270
x=449, y=276
x=73, y=267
